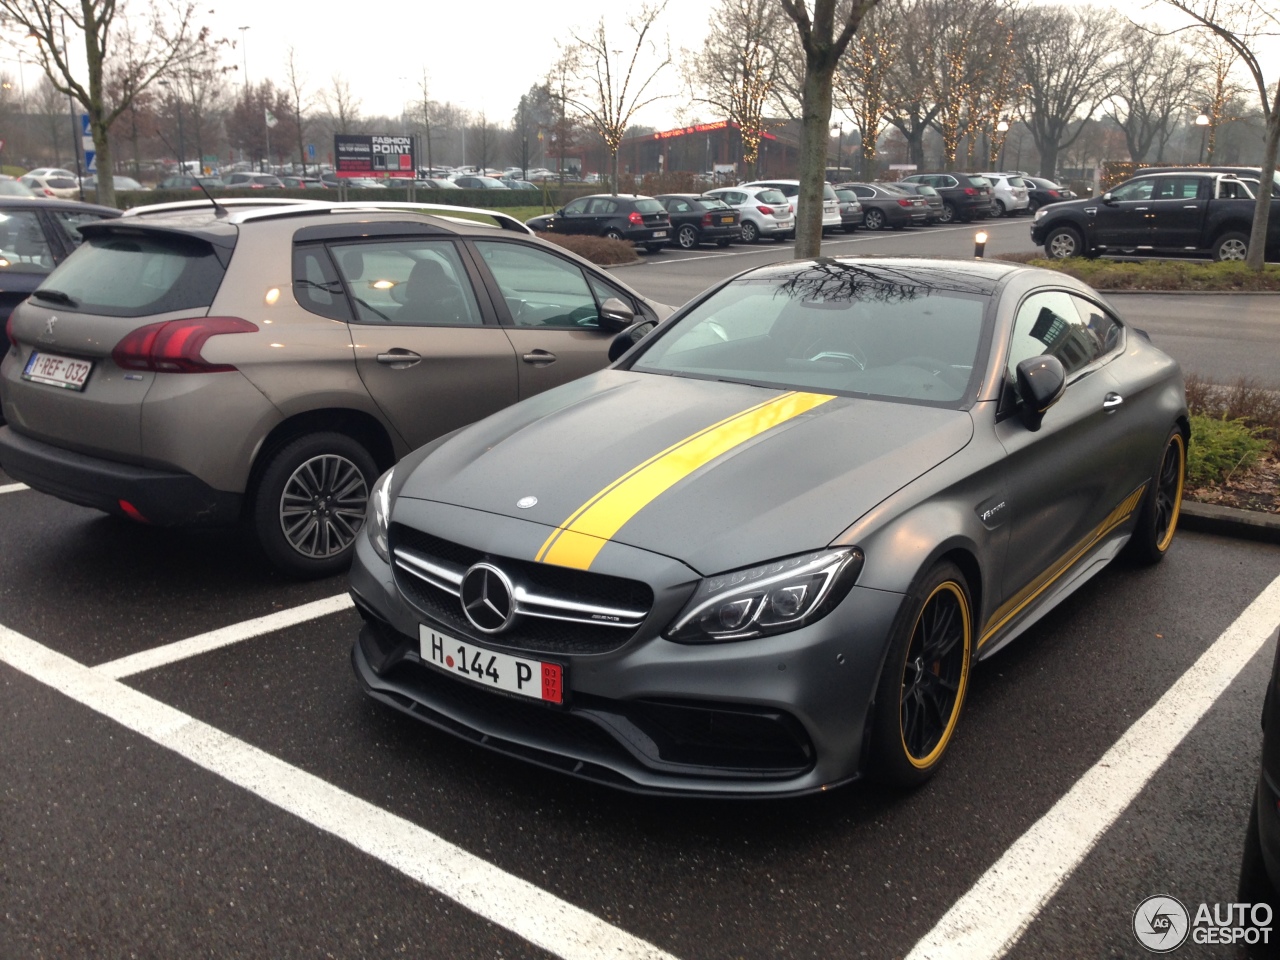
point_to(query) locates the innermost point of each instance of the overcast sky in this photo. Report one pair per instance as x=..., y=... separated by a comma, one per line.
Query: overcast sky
x=480, y=55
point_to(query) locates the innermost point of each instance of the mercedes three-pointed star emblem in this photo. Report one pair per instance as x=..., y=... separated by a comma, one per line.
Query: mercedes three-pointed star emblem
x=488, y=599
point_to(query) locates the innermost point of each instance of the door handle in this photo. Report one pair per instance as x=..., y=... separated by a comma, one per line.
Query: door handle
x=1141, y=208
x=539, y=357
x=398, y=356
x=1111, y=401
x=1192, y=206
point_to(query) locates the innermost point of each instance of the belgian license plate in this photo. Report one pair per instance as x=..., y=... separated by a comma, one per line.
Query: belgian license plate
x=65, y=372
x=535, y=679
x=659, y=233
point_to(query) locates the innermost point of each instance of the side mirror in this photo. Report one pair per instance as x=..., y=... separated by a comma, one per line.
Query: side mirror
x=616, y=316
x=629, y=337
x=1108, y=198
x=560, y=212
x=1041, y=381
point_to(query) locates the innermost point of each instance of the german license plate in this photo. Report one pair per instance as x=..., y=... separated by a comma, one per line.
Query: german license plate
x=659, y=233
x=65, y=372
x=535, y=679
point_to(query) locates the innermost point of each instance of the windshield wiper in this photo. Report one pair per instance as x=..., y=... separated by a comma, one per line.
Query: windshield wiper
x=56, y=296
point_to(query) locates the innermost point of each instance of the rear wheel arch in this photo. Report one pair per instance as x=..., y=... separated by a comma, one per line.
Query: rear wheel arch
x=360, y=426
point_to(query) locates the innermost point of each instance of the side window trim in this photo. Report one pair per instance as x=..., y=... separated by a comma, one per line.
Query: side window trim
x=499, y=302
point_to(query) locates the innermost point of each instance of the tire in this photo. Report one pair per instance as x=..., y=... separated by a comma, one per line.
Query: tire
x=1232, y=245
x=948, y=212
x=687, y=238
x=999, y=210
x=722, y=243
x=873, y=219
x=924, y=678
x=310, y=501
x=1063, y=242
x=612, y=235
x=1032, y=207
x=783, y=237
x=750, y=232
x=850, y=227
x=1256, y=885
x=1158, y=518
x=654, y=247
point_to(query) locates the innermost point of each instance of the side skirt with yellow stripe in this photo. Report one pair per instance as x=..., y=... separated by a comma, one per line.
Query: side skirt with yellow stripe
x=1015, y=605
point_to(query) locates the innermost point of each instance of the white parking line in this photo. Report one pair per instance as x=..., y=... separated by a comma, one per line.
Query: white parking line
x=507, y=901
x=13, y=487
x=988, y=920
x=222, y=637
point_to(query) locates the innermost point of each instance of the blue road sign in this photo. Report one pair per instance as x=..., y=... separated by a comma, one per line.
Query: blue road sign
x=311, y=151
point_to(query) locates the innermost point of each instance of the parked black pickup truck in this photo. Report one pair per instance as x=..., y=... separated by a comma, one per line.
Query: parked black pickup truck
x=1184, y=212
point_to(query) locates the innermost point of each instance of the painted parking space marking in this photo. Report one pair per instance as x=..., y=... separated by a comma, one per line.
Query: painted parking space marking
x=13, y=487
x=222, y=637
x=526, y=910
x=990, y=918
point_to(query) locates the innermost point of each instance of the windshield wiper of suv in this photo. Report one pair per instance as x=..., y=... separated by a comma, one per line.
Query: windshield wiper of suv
x=56, y=296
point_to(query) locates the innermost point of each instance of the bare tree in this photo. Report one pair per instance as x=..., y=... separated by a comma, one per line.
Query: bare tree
x=57, y=126
x=823, y=47
x=295, y=83
x=607, y=85
x=861, y=82
x=1242, y=25
x=425, y=106
x=343, y=105
x=1154, y=83
x=739, y=67
x=963, y=55
x=908, y=99
x=1067, y=58
x=1218, y=88
x=163, y=36
x=483, y=143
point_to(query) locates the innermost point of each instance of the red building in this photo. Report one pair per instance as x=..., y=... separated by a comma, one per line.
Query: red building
x=714, y=147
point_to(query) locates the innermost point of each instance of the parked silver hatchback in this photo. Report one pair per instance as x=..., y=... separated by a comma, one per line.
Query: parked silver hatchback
x=265, y=360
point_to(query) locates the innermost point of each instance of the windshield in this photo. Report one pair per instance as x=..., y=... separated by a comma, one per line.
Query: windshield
x=835, y=327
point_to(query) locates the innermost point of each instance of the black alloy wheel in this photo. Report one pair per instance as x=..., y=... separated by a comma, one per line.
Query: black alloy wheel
x=926, y=673
x=1158, y=519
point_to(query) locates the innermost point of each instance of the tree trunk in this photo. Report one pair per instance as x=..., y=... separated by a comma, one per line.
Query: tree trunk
x=1048, y=159
x=815, y=111
x=615, y=171
x=102, y=147
x=1262, y=210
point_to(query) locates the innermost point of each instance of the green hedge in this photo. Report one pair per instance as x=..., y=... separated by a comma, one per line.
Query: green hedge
x=553, y=198
x=1221, y=448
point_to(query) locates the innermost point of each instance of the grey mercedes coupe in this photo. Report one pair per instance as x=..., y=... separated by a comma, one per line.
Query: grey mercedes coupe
x=761, y=553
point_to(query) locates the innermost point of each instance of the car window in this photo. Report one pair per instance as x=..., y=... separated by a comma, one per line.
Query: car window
x=864, y=191
x=1234, y=190
x=710, y=203
x=771, y=196
x=1177, y=188
x=23, y=246
x=603, y=290
x=1049, y=323
x=648, y=206
x=576, y=208
x=540, y=288
x=736, y=197
x=678, y=206
x=316, y=286
x=978, y=181
x=137, y=276
x=828, y=192
x=1134, y=190
x=602, y=206
x=418, y=282
x=71, y=221
x=1106, y=329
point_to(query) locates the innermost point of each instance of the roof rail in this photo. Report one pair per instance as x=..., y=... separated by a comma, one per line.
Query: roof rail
x=205, y=203
x=301, y=207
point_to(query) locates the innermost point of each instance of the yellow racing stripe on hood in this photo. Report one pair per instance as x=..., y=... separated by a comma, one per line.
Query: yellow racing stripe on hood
x=576, y=542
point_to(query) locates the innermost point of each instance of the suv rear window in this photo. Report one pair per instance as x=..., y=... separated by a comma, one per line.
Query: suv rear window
x=978, y=181
x=138, y=275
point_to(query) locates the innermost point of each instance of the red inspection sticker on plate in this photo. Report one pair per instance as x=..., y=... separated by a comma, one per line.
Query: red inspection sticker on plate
x=535, y=679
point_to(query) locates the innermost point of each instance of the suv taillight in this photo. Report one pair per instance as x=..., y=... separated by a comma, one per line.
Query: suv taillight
x=969, y=191
x=173, y=346
x=635, y=218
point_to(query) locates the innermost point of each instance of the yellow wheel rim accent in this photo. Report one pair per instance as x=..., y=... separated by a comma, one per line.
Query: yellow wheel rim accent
x=923, y=763
x=1175, y=440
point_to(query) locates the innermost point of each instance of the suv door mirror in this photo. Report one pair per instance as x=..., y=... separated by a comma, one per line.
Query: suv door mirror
x=1041, y=382
x=616, y=316
x=629, y=337
x=1108, y=199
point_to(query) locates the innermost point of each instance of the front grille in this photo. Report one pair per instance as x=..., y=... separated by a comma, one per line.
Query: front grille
x=558, y=623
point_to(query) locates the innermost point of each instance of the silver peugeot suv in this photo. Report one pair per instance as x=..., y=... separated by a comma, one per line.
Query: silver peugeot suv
x=201, y=363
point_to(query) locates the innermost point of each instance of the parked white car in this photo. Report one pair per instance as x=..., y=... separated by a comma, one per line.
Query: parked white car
x=764, y=211
x=1009, y=194
x=791, y=190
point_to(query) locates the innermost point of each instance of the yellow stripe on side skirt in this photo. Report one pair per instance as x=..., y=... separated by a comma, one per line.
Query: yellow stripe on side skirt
x=576, y=542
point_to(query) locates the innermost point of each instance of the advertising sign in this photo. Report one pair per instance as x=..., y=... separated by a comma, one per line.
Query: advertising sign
x=373, y=155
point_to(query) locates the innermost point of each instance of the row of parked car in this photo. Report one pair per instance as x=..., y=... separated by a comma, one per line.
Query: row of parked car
x=762, y=209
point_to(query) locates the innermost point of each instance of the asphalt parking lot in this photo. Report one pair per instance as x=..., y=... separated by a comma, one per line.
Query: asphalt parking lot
x=236, y=795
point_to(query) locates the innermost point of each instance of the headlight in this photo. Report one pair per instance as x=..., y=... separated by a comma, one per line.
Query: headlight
x=1042, y=213
x=771, y=598
x=379, y=518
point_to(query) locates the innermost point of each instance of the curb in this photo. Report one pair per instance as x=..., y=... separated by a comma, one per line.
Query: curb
x=1230, y=521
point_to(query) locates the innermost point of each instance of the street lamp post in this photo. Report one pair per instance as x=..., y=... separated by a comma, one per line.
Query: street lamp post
x=1203, y=121
x=1002, y=126
x=839, y=129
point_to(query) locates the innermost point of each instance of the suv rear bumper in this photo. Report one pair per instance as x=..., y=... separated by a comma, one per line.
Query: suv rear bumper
x=161, y=497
